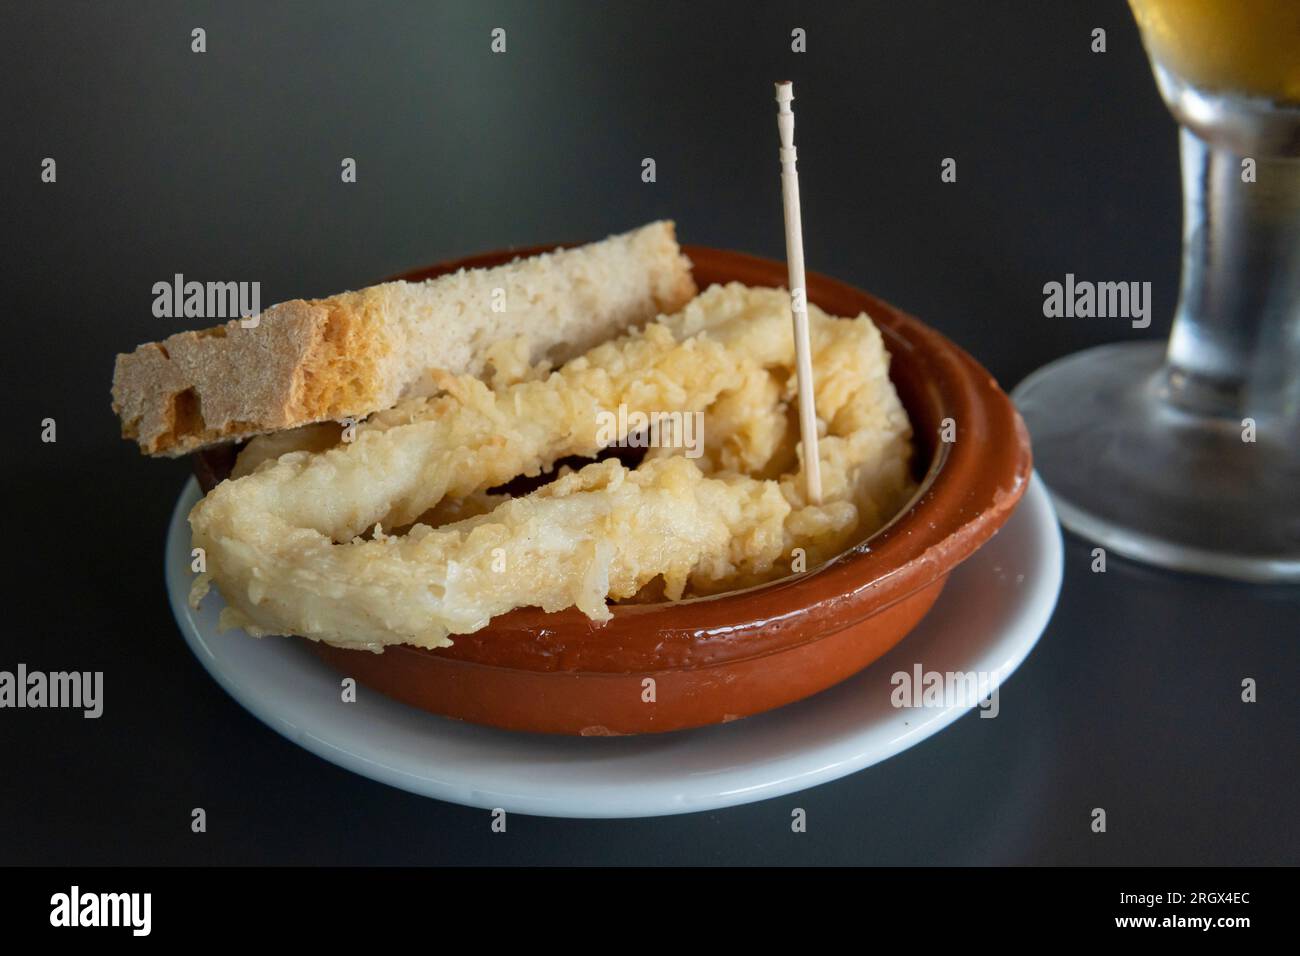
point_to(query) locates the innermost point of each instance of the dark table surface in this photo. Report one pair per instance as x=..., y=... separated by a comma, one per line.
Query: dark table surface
x=226, y=165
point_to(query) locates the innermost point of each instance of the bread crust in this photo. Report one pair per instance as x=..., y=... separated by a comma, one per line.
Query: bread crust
x=359, y=352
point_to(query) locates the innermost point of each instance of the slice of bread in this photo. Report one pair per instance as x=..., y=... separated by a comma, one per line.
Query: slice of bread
x=359, y=352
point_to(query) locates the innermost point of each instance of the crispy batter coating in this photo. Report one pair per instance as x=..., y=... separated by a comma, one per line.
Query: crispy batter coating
x=284, y=543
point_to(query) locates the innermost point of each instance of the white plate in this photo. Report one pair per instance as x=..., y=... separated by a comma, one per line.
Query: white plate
x=987, y=620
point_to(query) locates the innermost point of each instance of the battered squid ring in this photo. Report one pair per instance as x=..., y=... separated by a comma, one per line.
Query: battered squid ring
x=284, y=543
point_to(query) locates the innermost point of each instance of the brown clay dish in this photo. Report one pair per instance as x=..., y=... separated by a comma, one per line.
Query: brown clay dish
x=720, y=658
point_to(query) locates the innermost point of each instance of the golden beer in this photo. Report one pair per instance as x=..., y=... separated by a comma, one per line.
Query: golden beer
x=1226, y=46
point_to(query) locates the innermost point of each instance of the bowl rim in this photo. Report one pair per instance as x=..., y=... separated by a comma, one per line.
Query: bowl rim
x=874, y=574
x=968, y=491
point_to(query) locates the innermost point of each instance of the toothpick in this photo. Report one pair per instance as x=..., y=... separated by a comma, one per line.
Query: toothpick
x=812, y=464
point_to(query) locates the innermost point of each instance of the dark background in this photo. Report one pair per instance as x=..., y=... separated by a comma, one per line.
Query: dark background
x=225, y=165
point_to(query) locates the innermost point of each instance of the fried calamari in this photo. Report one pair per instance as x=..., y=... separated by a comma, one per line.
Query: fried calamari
x=297, y=543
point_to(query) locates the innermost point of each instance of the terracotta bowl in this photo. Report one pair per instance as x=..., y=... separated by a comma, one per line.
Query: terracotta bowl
x=720, y=658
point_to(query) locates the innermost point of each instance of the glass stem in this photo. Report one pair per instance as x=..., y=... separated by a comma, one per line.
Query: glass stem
x=1235, y=346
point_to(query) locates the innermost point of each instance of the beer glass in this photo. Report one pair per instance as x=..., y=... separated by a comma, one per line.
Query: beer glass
x=1186, y=454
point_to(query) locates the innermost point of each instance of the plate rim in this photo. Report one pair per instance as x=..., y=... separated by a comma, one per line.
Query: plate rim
x=1038, y=606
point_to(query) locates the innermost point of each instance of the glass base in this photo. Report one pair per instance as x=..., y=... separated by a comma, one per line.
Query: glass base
x=1158, y=484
